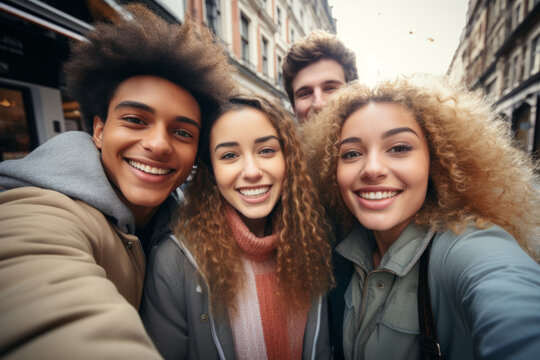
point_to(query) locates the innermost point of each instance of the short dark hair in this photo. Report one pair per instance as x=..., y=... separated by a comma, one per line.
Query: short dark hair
x=318, y=45
x=142, y=43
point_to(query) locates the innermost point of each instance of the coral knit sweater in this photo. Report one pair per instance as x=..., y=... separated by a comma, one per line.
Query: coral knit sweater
x=264, y=327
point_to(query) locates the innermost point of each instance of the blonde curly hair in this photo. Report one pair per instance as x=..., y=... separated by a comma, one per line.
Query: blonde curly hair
x=303, y=251
x=477, y=177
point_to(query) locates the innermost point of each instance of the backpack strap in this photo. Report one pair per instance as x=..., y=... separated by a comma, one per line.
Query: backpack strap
x=429, y=344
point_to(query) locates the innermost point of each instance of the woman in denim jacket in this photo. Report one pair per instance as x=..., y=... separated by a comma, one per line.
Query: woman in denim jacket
x=414, y=162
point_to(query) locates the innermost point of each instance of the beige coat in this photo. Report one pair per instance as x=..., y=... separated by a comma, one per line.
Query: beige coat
x=70, y=281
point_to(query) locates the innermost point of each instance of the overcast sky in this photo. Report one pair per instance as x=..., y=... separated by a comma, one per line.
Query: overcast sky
x=392, y=37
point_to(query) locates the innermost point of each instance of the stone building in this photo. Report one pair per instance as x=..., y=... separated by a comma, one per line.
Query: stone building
x=257, y=34
x=35, y=36
x=499, y=52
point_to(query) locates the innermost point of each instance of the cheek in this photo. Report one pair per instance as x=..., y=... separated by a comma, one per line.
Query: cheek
x=191, y=154
x=420, y=184
x=344, y=177
x=224, y=176
x=301, y=106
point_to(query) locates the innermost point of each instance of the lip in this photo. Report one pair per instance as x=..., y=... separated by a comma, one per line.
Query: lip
x=254, y=199
x=145, y=176
x=377, y=204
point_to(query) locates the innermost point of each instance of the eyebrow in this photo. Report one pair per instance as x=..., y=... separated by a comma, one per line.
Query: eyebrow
x=257, y=141
x=397, y=131
x=151, y=110
x=385, y=135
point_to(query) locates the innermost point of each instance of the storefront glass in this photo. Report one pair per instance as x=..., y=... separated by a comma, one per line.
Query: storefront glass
x=17, y=135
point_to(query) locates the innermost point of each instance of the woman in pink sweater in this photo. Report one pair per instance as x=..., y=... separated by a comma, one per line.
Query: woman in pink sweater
x=245, y=274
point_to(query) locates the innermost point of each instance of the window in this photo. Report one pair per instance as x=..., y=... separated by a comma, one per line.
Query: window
x=244, y=35
x=535, y=55
x=279, y=71
x=213, y=15
x=515, y=71
x=264, y=54
x=490, y=90
x=517, y=16
x=18, y=135
x=279, y=18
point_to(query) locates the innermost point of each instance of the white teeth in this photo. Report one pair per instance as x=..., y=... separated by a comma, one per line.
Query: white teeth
x=254, y=192
x=149, y=169
x=377, y=195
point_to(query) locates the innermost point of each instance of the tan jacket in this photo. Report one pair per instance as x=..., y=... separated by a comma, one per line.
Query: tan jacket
x=70, y=281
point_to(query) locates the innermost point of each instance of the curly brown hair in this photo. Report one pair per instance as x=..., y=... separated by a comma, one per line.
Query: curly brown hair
x=316, y=46
x=477, y=177
x=145, y=44
x=303, y=250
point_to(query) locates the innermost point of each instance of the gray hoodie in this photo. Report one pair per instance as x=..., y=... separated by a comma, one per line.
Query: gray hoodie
x=69, y=163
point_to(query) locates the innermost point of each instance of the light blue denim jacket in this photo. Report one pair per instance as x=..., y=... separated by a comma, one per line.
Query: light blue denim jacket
x=485, y=293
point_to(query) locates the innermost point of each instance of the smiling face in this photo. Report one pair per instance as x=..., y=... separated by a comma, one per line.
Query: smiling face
x=383, y=167
x=149, y=141
x=248, y=164
x=314, y=84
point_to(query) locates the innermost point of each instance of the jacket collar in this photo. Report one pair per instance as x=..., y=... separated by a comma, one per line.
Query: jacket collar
x=359, y=245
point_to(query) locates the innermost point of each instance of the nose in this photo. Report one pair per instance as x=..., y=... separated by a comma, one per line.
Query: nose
x=374, y=167
x=251, y=170
x=318, y=99
x=157, y=141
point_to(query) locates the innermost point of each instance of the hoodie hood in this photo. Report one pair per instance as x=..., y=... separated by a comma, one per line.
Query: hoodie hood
x=69, y=163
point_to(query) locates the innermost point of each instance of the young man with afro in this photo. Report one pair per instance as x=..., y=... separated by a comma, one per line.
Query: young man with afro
x=78, y=214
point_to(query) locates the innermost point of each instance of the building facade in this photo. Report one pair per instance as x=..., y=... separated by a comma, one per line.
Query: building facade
x=35, y=37
x=499, y=52
x=257, y=34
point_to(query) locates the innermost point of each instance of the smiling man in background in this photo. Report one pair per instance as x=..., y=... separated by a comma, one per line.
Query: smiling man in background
x=314, y=68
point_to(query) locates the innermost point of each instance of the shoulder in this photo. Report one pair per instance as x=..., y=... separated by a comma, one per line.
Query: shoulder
x=475, y=278
x=477, y=246
x=167, y=261
x=167, y=251
x=30, y=210
x=50, y=201
x=481, y=257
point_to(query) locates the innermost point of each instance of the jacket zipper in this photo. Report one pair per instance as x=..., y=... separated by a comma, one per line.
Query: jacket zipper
x=191, y=259
x=317, y=329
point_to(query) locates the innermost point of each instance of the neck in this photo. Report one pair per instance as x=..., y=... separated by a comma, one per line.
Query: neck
x=256, y=226
x=383, y=244
x=256, y=248
x=142, y=216
x=385, y=239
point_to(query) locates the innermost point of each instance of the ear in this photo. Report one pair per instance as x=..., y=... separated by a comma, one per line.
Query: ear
x=98, y=132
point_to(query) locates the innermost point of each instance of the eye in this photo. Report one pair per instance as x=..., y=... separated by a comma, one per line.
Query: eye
x=134, y=120
x=267, y=151
x=350, y=154
x=400, y=148
x=183, y=133
x=331, y=88
x=227, y=156
x=303, y=94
